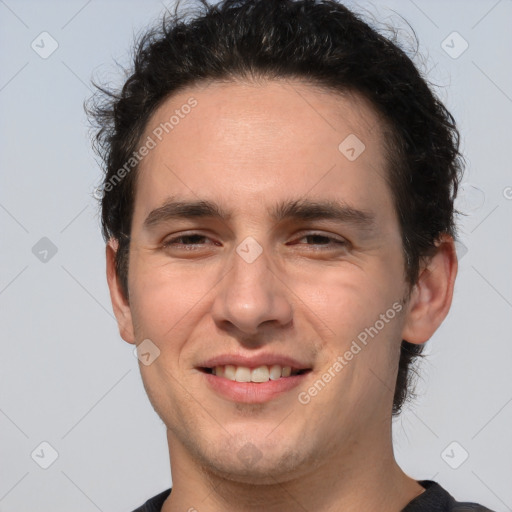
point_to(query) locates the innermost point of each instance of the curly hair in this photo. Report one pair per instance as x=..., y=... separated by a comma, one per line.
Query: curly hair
x=320, y=42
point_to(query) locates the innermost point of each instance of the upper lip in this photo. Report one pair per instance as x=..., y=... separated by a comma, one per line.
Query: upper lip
x=253, y=361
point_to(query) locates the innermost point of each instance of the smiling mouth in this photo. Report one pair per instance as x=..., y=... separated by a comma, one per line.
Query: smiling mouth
x=260, y=374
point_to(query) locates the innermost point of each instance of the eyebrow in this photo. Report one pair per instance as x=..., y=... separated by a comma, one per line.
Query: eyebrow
x=299, y=209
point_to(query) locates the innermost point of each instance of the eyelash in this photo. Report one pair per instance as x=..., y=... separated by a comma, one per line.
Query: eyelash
x=172, y=241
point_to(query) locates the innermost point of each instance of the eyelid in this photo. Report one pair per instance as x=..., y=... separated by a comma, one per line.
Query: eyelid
x=176, y=236
x=324, y=234
x=330, y=236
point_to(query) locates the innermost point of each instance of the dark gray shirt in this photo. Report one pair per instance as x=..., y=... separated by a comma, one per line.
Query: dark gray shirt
x=434, y=499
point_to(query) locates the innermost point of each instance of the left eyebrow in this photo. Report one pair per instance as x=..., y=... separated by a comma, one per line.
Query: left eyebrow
x=300, y=210
x=304, y=209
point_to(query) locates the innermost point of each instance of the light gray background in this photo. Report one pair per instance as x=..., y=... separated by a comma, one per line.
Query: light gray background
x=66, y=376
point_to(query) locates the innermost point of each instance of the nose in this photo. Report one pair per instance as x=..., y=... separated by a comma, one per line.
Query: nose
x=250, y=296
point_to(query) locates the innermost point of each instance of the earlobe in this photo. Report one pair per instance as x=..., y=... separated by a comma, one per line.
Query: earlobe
x=120, y=304
x=431, y=296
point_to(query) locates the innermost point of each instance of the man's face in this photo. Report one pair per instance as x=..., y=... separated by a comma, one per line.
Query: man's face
x=261, y=289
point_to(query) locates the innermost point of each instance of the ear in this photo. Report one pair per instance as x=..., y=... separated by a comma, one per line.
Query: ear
x=120, y=304
x=431, y=296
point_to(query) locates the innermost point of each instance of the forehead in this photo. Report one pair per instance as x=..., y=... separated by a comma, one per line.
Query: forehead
x=247, y=144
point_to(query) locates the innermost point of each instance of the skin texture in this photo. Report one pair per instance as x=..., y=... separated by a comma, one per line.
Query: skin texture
x=246, y=147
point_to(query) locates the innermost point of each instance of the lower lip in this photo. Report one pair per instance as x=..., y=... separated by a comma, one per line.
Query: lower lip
x=253, y=392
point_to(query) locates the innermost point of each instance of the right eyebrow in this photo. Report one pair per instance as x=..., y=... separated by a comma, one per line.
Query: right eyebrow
x=176, y=209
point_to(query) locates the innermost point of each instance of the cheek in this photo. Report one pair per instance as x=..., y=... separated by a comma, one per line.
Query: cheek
x=160, y=301
x=169, y=301
x=343, y=301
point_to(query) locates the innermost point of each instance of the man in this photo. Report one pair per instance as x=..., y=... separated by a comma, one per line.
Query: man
x=278, y=210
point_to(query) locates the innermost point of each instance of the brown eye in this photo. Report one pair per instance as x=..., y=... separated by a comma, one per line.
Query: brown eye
x=188, y=241
x=185, y=240
x=323, y=240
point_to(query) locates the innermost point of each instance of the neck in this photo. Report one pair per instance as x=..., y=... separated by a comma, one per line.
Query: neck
x=362, y=478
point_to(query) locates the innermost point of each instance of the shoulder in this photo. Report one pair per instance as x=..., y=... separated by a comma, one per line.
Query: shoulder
x=155, y=503
x=437, y=499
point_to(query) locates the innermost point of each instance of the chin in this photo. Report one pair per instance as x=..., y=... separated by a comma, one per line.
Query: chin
x=267, y=471
x=255, y=460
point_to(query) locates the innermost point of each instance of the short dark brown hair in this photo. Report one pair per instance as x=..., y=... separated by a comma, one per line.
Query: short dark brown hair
x=316, y=41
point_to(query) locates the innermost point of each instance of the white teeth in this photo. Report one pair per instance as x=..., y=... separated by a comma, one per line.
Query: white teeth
x=244, y=374
x=260, y=374
x=229, y=371
x=275, y=372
